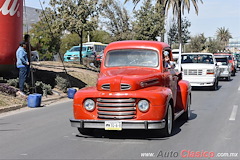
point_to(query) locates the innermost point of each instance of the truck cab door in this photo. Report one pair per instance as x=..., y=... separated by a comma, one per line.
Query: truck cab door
x=170, y=76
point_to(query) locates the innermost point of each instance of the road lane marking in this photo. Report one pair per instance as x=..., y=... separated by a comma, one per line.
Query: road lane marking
x=24, y=154
x=234, y=113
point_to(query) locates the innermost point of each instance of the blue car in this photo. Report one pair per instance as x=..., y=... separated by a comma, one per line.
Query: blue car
x=73, y=53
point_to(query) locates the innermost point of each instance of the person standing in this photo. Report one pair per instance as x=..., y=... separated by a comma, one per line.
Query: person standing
x=29, y=47
x=22, y=64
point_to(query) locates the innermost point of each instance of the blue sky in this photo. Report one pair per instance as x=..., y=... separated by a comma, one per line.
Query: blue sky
x=212, y=15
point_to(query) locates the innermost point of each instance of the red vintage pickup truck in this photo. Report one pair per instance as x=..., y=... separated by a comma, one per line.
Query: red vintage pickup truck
x=135, y=90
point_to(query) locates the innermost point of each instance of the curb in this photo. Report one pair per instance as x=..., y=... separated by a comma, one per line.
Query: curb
x=44, y=102
x=11, y=108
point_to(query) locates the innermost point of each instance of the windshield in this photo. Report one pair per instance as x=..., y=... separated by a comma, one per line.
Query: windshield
x=229, y=56
x=132, y=57
x=208, y=59
x=75, y=49
x=224, y=61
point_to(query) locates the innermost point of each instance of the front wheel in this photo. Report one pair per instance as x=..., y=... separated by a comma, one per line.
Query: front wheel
x=228, y=78
x=215, y=86
x=167, y=130
x=187, y=114
x=233, y=73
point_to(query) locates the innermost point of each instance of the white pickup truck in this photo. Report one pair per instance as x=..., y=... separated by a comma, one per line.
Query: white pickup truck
x=224, y=66
x=200, y=69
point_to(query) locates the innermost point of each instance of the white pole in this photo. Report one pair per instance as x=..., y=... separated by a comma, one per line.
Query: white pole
x=180, y=58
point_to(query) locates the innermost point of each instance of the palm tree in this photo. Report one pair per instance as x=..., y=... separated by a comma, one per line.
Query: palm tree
x=178, y=7
x=223, y=35
x=161, y=3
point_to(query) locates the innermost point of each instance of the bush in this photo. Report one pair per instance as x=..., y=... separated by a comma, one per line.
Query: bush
x=41, y=87
x=62, y=84
x=8, y=89
x=44, y=89
x=13, y=82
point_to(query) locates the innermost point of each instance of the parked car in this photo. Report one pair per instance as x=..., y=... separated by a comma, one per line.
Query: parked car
x=231, y=61
x=74, y=53
x=134, y=91
x=224, y=66
x=200, y=69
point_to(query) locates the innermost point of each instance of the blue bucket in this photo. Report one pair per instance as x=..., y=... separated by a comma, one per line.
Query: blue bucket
x=34, y=100
x=71, y=92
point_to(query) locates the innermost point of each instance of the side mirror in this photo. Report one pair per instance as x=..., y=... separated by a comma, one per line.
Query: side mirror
x=172, y=65
x=219, y=63
x=179, y=76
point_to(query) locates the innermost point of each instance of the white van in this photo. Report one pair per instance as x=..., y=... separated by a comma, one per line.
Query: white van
x=175, y=53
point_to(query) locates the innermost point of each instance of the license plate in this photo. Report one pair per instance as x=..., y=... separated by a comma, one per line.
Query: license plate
x=113, y=125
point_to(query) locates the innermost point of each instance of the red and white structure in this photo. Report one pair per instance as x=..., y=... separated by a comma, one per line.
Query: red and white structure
x=11, y=31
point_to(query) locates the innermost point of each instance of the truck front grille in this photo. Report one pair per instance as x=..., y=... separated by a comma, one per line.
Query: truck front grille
x=193, y=72
x=110, y=108
x=222, y=69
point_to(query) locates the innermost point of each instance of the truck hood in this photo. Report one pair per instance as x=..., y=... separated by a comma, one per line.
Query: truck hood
x=198, y=66
x=121, y=79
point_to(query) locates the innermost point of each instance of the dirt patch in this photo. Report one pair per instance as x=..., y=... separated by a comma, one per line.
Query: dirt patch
x=7, y=100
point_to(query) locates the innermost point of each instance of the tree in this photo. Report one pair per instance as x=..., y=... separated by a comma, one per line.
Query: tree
x=67, y=41
x=162, y=12
x=149, y=24
x=198, y=43
x=173, y=32
x=48, y=38
x=223, y=35
x=116, y=20
x=178, y=7
x=214, y=45
x=75, y=16
x=100, y=36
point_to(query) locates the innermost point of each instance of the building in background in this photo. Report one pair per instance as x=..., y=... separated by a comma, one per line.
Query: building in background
x=234, y=45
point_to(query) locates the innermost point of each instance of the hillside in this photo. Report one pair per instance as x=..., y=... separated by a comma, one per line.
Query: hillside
x=30, y=17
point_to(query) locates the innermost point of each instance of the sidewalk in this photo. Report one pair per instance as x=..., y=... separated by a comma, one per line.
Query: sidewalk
x=45, y=101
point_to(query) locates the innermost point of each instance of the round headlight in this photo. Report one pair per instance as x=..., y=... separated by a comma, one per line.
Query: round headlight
x=89, y=104
x=143, y=105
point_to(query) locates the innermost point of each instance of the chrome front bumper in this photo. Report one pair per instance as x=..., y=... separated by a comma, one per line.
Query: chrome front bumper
x=136, y=124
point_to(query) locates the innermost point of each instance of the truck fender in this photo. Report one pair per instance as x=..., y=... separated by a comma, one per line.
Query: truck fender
x=183, y=92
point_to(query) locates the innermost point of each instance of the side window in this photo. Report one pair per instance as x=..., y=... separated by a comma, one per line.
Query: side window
x=167, y=60
x=97, y=48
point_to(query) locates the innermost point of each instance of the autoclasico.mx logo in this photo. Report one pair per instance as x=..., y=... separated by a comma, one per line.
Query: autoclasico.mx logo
x=189, y=154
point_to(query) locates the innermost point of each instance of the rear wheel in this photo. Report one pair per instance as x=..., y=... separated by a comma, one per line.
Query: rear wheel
x=167, y=131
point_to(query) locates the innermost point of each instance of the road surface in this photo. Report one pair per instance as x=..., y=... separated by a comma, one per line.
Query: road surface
x=45, y=133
